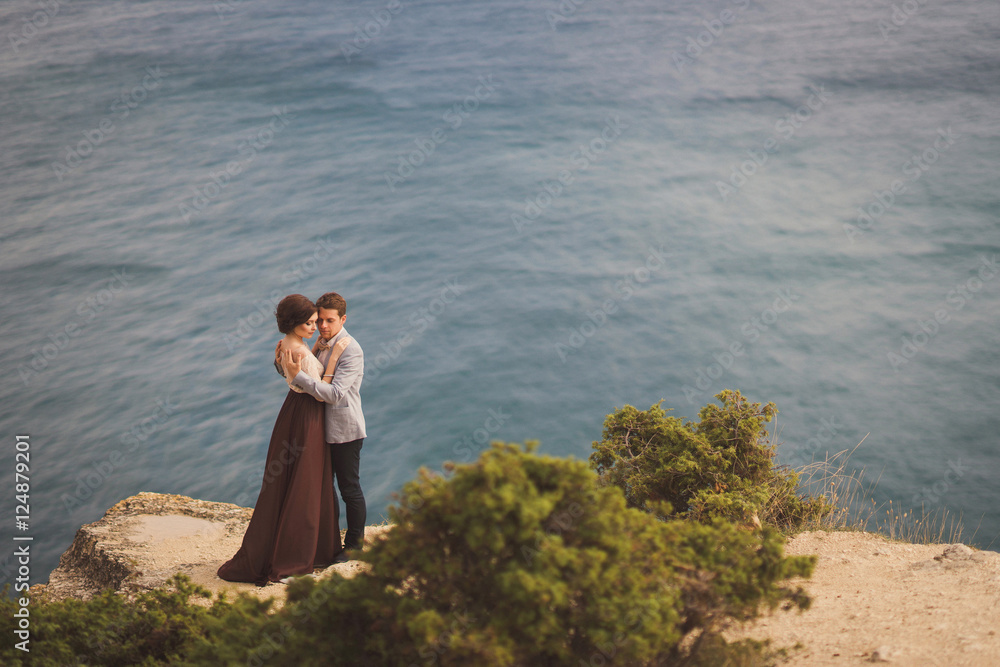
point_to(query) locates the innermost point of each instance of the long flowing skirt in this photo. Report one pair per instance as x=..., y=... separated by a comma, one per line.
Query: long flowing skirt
x=295, y=524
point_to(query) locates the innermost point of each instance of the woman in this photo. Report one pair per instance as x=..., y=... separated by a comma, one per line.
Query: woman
x=294, y=527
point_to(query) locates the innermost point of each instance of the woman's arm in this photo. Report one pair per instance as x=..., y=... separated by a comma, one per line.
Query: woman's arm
x=335, y=353
x=277, y=359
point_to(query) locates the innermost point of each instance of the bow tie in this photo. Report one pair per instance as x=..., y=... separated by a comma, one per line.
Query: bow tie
x=323, y=345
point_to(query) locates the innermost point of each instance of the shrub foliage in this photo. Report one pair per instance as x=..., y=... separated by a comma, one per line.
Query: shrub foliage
x=162, y=626
x=720, y=467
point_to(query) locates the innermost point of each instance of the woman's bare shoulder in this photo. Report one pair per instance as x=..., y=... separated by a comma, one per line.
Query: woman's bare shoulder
x=294, y=347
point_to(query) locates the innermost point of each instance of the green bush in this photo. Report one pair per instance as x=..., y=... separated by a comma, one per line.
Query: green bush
x=722, y=466
x=520, y=559
x=158, y=627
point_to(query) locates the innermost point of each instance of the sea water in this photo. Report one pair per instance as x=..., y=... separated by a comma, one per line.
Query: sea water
x=537, y=212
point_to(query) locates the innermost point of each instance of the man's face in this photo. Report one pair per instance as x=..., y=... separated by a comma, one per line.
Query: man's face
x=330, y=322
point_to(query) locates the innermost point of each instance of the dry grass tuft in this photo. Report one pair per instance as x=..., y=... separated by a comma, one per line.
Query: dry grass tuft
x=856, y=509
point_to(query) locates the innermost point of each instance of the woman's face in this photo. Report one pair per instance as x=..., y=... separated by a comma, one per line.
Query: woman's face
x=307, y=328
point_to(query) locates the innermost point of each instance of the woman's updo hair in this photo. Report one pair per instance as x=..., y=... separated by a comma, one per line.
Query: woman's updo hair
x=292, y=311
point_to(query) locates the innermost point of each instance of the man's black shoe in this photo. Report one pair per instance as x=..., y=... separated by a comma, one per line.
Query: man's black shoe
x=342, y=557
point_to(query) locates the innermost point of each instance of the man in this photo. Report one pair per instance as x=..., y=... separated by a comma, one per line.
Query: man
x=345, y=422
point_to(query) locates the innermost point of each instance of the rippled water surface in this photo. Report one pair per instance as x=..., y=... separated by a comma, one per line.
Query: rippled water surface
x=535, y=215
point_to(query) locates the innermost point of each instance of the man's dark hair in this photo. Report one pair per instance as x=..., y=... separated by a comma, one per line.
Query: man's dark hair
x=332, y=301
x=292, y=311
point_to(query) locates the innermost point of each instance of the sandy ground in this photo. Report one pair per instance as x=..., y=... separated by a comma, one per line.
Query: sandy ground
x=197, y=547
x=876, y=600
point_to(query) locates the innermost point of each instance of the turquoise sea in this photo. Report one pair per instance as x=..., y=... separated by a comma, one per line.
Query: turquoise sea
x=537, y=212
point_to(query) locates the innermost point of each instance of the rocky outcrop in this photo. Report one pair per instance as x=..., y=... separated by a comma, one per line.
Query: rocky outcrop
x=142, y=541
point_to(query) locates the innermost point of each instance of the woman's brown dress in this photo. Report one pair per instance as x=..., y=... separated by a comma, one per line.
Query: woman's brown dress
x=295, y=524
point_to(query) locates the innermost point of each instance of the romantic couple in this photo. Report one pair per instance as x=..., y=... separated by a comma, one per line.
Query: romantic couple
x=317, y=438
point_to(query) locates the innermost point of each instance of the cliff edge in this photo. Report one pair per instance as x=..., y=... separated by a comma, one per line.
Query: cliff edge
x=874, y=600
